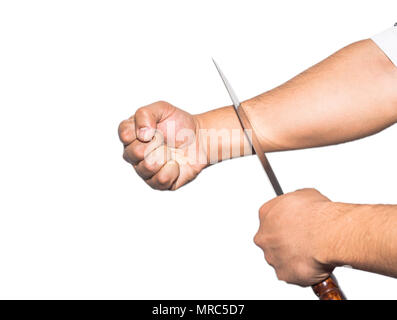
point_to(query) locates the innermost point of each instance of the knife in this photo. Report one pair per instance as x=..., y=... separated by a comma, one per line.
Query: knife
x=327, y=289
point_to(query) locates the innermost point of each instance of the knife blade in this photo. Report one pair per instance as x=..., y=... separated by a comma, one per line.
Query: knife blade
x=253, y=140
x=327, y=289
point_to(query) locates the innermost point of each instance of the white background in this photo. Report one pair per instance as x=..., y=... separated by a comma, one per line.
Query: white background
x=77, y=222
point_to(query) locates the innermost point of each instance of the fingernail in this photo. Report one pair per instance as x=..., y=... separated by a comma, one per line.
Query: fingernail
x=146, y=133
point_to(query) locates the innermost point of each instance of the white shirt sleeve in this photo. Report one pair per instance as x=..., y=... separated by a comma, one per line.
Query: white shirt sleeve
x=387, y=41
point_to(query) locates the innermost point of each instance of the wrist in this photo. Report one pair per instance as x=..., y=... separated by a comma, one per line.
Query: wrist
x=333, y=233
x=220, y=135
x=344, y=235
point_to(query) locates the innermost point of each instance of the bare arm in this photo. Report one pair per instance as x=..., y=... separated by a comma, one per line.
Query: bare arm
x=365, y=237
x=350, y=95
x=304, y=236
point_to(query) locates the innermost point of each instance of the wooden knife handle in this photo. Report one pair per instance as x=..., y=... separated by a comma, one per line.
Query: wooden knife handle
x=328, y=289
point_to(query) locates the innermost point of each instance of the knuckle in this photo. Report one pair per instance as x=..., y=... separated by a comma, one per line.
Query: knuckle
x=306, y=190
x=148, y=165
x=125, y=157
x=281, y=275
x=263, y=207
x=268, y=259
x=138, y=151
x=265, y=216
x=142, y=111
x=162, y=103
x=124, y=131
x=257, y=240
x=163, y=180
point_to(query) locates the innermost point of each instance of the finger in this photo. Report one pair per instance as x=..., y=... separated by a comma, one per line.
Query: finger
x=269, y=259
x=137, y=150
x=127, y=131
x=146, y=119
x=166, y=177
x=153, y=162
x=265, y=208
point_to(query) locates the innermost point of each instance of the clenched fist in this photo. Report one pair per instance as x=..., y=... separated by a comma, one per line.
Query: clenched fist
x=293, y=235
x=162, y=143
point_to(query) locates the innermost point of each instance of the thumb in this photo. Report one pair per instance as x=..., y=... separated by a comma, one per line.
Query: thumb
x=146, y=119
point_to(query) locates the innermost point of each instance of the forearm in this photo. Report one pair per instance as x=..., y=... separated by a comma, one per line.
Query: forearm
x=362, y=236
x=350, y=95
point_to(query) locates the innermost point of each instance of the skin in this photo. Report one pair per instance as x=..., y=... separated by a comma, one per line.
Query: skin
x=304, y=236
x=171, y=168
